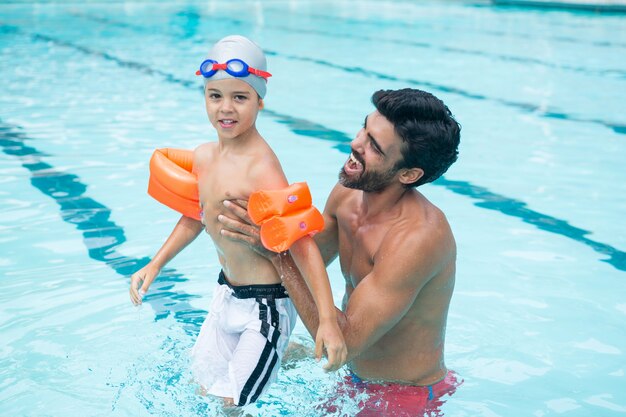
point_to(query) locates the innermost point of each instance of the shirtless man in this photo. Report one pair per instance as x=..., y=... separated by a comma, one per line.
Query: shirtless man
x=396, y=250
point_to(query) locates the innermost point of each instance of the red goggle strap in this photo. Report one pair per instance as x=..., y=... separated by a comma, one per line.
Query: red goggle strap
x=259, y=73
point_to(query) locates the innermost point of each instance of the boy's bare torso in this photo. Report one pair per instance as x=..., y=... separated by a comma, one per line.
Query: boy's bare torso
x=234, y=174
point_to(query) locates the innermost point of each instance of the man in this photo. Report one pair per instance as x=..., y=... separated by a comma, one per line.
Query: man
x=396, y=252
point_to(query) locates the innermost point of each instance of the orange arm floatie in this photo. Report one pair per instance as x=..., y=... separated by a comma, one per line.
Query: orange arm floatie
x=285, y=215
x=172, y=182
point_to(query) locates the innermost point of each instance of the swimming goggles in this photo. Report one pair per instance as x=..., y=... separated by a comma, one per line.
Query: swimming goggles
x=235, y=67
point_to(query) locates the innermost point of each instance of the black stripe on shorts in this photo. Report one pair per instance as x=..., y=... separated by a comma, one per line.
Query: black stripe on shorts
x=269, y=354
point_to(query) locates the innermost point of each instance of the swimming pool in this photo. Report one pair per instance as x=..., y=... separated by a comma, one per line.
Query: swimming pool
x=536, y=200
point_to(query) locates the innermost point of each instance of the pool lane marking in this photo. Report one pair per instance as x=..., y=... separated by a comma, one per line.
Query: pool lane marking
x=487, y=199
x=515, y=208
x=613, y=73
x=619, y=73
x=537, y=110
x=381, y=24
x=101, y=236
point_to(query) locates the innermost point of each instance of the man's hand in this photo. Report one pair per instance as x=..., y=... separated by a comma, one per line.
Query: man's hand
x=140, y=282
x=330, y=338
x=240, y=228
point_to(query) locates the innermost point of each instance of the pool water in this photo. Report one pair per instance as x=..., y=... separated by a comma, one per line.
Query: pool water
x=536, y=201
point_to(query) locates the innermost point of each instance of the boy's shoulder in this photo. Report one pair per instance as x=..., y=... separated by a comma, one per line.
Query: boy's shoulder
x=203, y=153
x=207, y=147
x=266, y=171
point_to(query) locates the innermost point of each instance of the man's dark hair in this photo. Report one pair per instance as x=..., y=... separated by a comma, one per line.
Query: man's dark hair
x=430, y=134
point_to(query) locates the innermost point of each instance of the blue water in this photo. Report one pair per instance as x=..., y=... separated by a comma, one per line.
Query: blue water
x=536, y=200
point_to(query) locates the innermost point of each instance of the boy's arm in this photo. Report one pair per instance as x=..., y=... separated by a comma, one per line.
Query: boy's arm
x=308, y=260
x=328, y=243
x=311, y=262
x=185, y=232
x=240, y=228
x=299, y=292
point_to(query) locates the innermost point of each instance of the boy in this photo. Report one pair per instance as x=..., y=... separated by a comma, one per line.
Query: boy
x=238, y=351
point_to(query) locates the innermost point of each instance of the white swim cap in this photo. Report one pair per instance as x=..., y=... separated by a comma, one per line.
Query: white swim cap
x=241, y=48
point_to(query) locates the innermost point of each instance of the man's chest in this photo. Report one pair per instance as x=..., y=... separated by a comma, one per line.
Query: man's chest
x=359, y=243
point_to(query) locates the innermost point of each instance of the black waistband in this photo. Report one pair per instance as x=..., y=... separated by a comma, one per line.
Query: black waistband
x=254, y=291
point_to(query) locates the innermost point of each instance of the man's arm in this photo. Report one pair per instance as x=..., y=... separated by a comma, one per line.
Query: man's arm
x=299, y=292
x=405, y=262
x=379, y=301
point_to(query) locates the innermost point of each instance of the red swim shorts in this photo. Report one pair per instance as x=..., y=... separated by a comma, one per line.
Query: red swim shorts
x=390, y=399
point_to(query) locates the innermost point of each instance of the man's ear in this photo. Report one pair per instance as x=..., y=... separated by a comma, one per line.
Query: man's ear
x=411, y=175
x=261, y=104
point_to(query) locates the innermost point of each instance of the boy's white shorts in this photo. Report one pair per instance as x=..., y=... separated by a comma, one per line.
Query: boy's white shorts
x=242, y=340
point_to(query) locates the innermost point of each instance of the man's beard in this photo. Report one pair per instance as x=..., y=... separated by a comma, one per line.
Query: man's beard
x=370, y=182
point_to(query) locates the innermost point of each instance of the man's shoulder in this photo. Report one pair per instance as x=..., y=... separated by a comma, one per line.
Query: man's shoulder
x=419, y=208
x=340, y=197
x=422, y=242
x=421, y=224
x=342, y=193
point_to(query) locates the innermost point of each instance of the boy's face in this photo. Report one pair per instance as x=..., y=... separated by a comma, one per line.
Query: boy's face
x=232, y=106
